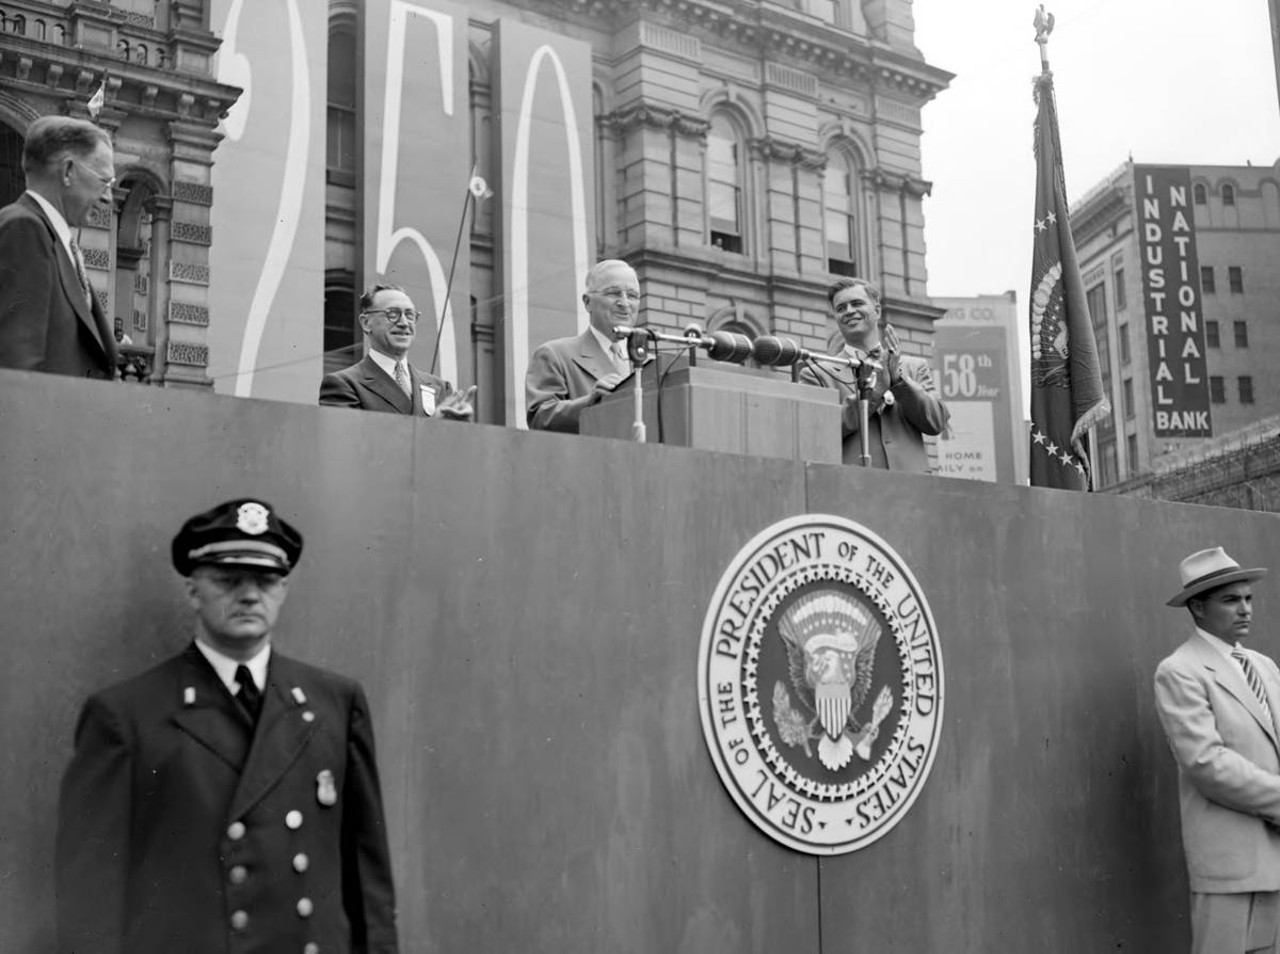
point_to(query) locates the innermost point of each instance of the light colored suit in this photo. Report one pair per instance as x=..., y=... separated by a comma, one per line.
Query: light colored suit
x=561, y=379
x=1228, y=755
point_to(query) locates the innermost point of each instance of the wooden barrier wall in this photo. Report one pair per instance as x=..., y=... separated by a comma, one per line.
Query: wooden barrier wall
x=525, y=612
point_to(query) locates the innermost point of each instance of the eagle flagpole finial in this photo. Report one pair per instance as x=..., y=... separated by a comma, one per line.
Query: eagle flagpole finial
x=1044, y=26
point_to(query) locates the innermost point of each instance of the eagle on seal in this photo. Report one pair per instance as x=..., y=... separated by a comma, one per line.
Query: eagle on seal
x=831, y=644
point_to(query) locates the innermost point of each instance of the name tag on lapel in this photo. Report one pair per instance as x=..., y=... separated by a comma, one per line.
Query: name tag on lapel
x=428, y=398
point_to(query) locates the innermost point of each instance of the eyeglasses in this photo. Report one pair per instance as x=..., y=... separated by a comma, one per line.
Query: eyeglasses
x=395, y=314
x=107, y=181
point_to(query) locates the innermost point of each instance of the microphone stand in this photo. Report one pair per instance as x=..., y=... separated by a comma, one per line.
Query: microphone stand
x=864, y=381
x=638, y=352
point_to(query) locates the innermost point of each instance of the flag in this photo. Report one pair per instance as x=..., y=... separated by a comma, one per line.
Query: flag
x=1066, y=379
x=98, y=99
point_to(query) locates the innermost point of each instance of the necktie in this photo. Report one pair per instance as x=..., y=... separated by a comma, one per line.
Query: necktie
x=1251, y=676
x=249, y=695
x=621, y=361
x=77, y=259
x=402, y=379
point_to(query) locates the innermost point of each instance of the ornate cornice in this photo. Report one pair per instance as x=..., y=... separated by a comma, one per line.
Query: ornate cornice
x=773, y=32
x=655, y=117
x=148, y=72
x=767, y=148
x=888, y=181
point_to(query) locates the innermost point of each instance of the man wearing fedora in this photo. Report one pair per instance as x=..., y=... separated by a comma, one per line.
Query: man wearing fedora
x=1218, y=704
x=228, y=798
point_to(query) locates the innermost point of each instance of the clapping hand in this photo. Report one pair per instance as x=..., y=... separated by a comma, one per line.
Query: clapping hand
x=457, y=406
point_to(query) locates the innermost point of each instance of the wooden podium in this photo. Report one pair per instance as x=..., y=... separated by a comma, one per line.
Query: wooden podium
x=741, y=411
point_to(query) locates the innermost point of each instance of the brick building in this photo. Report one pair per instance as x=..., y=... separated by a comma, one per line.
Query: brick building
x=1231, y=318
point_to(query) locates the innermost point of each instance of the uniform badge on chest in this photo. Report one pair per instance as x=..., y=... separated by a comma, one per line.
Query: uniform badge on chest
x=428, y=398
x=326, y=792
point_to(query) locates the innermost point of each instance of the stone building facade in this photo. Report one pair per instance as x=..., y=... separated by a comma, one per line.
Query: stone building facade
x=1236, y=224
x=148, y=258
x=746, y=153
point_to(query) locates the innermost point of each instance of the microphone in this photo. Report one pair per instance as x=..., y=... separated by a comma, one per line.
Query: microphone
x=775, y=352
x=719, y=345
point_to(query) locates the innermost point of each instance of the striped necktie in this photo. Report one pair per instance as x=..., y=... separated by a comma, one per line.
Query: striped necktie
x=77, y=259
x=1251, y=676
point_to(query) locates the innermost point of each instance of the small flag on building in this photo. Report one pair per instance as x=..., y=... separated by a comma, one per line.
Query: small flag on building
x=1066, y=380
x=99, y=98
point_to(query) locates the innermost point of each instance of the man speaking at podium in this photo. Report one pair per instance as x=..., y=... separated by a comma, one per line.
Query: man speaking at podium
x=904, y=403
x=568, y=375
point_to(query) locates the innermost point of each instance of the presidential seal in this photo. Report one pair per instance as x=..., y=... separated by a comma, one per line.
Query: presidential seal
x=820, y=684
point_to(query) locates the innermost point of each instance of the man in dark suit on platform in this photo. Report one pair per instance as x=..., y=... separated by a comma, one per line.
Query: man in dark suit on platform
x=568, y=375
x=227, y=799
x=384, y=380
x=904, y=403
x=50, y=319
x=1218, y=704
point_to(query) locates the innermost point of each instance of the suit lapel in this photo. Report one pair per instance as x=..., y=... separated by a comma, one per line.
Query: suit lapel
x=1228, y=675
x=592, y=358
x=92, y=318
x=212, y=717
x=281, y=737
x=382, y=384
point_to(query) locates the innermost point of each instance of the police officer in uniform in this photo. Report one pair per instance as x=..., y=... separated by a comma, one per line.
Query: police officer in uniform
x=228, y=799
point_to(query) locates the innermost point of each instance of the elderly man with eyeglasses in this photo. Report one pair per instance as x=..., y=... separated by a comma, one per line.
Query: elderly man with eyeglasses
x=50, y=319
x=384, y=380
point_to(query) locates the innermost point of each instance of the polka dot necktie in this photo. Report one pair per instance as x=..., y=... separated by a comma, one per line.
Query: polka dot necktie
x=402, y=379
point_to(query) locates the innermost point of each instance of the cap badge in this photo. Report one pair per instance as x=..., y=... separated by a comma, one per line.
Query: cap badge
x=326, y=793
x=251, y=518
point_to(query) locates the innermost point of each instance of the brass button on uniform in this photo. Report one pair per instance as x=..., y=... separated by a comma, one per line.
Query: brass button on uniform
x=293, y=820
x=305, y=907
x=308, y=716
x=239, y=920
x=301, y=862
x=311, y=948
x=238, y=875
x=235, y=831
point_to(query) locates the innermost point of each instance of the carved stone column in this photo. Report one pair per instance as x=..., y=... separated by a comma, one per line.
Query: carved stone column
x=161, y=209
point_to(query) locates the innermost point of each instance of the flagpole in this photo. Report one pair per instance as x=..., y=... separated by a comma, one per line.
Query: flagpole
x=448, y=288
x=1044, y=26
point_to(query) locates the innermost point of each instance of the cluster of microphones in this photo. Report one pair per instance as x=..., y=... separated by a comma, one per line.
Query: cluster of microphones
x=767, y=350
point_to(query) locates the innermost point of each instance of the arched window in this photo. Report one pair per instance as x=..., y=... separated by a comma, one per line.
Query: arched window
x=18, y=25
x=726, y=217
x=341, y=342
x=12, y=181
x=1228, y=195
x=1201, y=195
x=839, y=211
x=341, y=147
x=42, y=30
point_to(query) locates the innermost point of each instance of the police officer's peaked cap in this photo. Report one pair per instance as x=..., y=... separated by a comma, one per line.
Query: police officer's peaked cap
x=245, y=532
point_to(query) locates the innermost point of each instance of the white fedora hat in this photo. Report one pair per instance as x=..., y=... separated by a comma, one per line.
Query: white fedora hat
x=1207, y=569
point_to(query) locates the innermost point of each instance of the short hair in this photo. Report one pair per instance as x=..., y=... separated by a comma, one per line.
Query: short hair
x=599, y=267
x=840, y=284
x=366, y=300
x=52, y=136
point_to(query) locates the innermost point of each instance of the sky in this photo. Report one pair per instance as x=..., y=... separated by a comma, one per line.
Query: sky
x=1168, y=81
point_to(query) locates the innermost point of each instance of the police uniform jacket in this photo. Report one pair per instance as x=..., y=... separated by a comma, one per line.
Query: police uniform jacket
x=181, y=828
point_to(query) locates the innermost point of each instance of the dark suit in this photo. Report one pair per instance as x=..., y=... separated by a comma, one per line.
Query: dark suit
x=168, y=771
x=561, y=379
x=896, y=433
x=368, y=387
x=46, y=324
